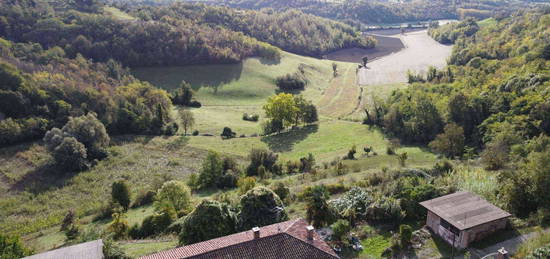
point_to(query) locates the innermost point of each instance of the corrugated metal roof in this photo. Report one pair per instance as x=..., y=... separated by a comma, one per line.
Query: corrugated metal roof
x=88, y=250
x=464, y=209
x=282, y=240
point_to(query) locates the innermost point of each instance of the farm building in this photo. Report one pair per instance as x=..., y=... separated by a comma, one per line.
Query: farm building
x=463, y=217
x=289, y=239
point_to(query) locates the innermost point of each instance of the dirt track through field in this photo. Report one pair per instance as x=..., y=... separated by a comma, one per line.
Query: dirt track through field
x=419, y=53
x=346, y=93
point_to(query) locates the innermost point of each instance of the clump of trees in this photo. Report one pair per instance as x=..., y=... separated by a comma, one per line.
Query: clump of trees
x=449, y=33
x=210, y=219
x=184, y=96
x=82, y=140
x=286, y=109
x=262, y=160
x=41, y=93
x=291, y=82
x=218, y=172
x=259, y=206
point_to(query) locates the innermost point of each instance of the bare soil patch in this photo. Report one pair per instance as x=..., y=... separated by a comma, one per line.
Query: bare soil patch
x=419, y=53
x=385, y=46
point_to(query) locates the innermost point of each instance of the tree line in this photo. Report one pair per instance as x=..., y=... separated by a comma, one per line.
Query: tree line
x=491, y=100
x=294, y=31
x=42, y=88
x=179, y=34
x=381, y=11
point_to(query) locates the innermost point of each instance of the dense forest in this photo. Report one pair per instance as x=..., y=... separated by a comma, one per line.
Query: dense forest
x=381, y=11
x=173, y=35
x=493, y=98
x=42, y=88
x=295, y=31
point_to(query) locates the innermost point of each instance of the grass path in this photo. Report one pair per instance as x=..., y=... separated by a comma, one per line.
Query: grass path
x=342, y=96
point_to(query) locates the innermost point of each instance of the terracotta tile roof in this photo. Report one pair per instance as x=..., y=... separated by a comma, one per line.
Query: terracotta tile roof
x=282, y=240
x=464, y=210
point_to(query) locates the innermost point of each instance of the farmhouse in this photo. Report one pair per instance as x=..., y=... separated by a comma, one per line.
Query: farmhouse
x=463, y=217
x=289, y=239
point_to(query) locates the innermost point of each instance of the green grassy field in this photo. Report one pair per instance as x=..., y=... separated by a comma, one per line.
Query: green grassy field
x=35, y=197
x=326, y=141
x=248, y=83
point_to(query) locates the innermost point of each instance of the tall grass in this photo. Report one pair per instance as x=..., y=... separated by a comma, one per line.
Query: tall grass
x=527, y=247
x=476, y=180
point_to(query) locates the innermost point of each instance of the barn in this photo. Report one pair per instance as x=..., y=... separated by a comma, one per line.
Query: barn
x=461, y=218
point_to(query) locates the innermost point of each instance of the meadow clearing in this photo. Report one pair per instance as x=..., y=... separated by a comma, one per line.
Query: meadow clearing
x=34, y=202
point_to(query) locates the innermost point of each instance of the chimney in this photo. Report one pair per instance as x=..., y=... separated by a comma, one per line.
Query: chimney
x=502, y=254
x=256, y=231
x=310, y=230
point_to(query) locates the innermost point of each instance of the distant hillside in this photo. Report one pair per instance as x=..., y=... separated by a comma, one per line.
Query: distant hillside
x=366, y=11
x=176, y=35
x=289, y=30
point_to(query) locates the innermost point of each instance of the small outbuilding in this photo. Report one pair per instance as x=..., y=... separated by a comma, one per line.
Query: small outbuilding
x=463, y=217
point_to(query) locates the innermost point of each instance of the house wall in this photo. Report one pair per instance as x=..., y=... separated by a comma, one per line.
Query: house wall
x=466, y=236
x=432, y=221
x=479, y=232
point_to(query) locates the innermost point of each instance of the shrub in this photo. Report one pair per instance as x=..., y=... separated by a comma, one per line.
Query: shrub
x=450, y=142
x=195, y=133
x=112, y=251
x=291, y=82
x=228, y=180
x=402, y=159
x=211, y=171
x=317, y=208
x=174, y=194
x=351, y=153
x=405, y=235
x=193, y=181
x=184, y=94
x=390, y=151
x=154, y=224
x=68, y=220
x=281, y=190
x=340, y=229
x=12, y=247
x=71, y=233
x=307, y=163
x=144, y=197
x=120, y=193
x=251, y=117
x=272, y=126
x=89, y=131
x=261, y=157
x=260, y=207
x=119, y=226
x=245, y=184
x=227, y=133
x=71, y=155
x=210, y=219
